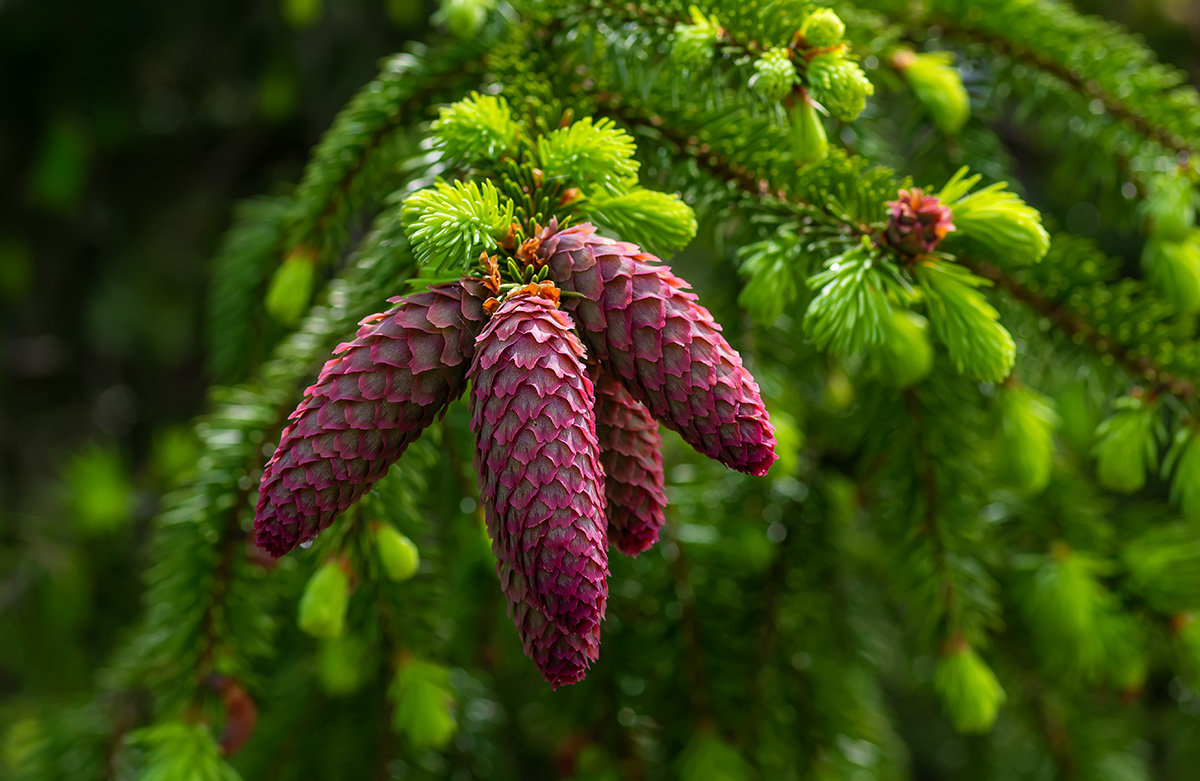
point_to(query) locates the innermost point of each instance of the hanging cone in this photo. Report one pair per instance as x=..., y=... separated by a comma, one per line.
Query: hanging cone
x=646, y=329
x=543, y=488
x=631, y=454
x=371, y=401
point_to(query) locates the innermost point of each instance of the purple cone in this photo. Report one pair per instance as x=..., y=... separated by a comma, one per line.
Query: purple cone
x=370, y=402
x=631, y=454
x=539, y=471
x=646, y=329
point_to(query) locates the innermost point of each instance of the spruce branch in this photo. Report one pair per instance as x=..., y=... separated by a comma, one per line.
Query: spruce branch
x=1078, y=328
x=724, y=168
x=1093, y=88
x=590, y=154
x=230, y=534
x=179, y=750
x=265, y=229
x=701, y=698
x=768, y=629
x=339, y=177
x=994, y=218
x=1127, y=443
x=772, y=273
x=476, y=128
x=1027, y=422
x=935, y=82
x=842, y=585
x=922, y=491
x=964, y=320
x=240, y=269
x=1042, y=703
x=931, y=528
x=207, y=607
x=1183, y=464
x=1073, y=323
x=852, y=301
x=1077, y=87
x=658, y=222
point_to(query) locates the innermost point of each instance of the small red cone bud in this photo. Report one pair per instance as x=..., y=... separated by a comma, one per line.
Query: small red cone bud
x=240, y=713
x=917, y=223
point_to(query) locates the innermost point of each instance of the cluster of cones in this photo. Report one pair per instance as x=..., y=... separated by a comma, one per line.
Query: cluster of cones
x=565, y=394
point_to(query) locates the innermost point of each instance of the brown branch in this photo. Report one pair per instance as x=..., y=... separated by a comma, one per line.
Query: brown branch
x=693, y=648
x=720, y=167
x=231, y=534
x=1077, y=81
x=1071, y=322
x=930, y=527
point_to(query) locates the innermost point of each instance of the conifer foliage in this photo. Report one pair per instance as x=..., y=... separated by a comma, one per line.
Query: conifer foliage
x=927, y=462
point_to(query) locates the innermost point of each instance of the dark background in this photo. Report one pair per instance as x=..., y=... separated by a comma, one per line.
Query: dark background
x=128, y=131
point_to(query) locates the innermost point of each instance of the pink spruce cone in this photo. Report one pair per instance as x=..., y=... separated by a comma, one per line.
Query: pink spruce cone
x=631, y=454
x=370, y=402
x=643, y=325
x=539, y=471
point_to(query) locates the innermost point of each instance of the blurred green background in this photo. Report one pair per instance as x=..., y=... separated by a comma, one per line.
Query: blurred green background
x=128, y=130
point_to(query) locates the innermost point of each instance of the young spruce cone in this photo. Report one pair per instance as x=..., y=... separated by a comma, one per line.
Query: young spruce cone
x=371, y=401
x=646, y=329
x=631, y=454
x=917, y=222
x=539, y=472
